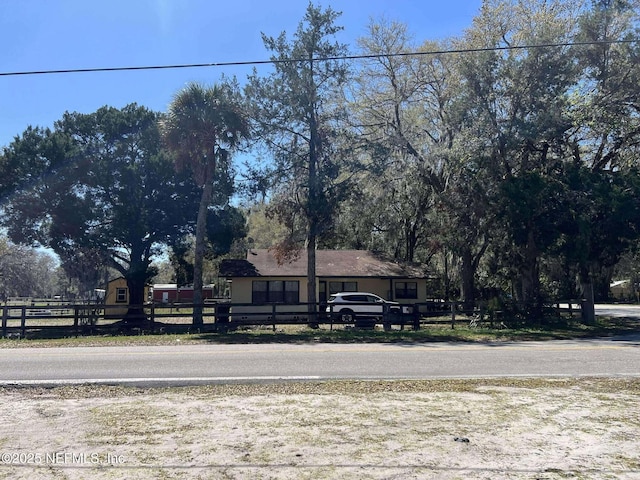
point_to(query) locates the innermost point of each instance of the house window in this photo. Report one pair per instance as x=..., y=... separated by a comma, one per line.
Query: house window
x=291, y=292
x=406, y=290
x=337, y=287
x=121, y=295
x=275, y=291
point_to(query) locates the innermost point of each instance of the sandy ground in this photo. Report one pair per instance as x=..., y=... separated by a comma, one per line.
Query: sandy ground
x=456, y=429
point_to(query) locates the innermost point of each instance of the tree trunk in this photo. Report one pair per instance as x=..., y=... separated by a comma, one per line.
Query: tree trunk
x=467, y=284
x=311, y=281
x=447, y=282
x=588, y=303
x=201, y=230
x=530, y=279
x=312, y=240
x=411, y=240
x=136, y=281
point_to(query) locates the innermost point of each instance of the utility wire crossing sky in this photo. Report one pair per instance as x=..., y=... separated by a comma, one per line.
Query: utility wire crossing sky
x=320, y=59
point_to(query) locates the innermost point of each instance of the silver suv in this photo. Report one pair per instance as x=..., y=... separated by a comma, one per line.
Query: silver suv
x=347, y=306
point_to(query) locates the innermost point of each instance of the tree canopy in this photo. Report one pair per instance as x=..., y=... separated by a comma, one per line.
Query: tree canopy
x=105, y=192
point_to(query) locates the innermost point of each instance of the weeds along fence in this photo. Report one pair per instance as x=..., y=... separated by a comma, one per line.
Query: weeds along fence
x=483, y=314
x=59, y=319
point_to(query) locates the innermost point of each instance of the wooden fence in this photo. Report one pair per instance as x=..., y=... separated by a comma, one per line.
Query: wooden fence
x=55, y=320
x=483, y=314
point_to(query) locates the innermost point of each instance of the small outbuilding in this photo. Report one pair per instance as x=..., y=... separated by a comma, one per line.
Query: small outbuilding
x=171, y=293
x=116, y=296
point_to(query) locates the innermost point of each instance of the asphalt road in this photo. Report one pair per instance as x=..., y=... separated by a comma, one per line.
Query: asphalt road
x=203, y=364
x=199, y=364
x=619, y=310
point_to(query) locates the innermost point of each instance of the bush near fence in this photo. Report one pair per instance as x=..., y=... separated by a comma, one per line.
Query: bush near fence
x=59, y=319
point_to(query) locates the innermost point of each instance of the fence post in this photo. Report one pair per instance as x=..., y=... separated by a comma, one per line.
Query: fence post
x=273, y=315
x=331, y=317
x=23, y=322
x=5, y=314
x=153, y=317
x=453, y=315
x=75, y=320
x=386, y=321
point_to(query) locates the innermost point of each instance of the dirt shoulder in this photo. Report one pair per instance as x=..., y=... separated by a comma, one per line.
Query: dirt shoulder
x=479, y=429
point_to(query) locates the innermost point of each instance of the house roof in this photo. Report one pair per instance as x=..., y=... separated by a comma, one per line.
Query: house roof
x=329, y=263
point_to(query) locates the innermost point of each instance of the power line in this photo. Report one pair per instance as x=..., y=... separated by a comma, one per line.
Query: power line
x=322, y=59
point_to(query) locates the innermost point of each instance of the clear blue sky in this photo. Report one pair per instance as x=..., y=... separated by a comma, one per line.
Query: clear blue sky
x=68, y=34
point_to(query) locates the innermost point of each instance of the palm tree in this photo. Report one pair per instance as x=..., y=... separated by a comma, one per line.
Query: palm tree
x=203, y=124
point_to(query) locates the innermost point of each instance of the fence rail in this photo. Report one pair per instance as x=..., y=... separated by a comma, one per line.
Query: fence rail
x=88, y=319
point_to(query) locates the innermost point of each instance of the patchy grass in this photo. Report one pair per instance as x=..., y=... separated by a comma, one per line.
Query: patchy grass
x=442, y=332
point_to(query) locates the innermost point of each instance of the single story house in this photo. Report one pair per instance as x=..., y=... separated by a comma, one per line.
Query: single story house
x=259, y=279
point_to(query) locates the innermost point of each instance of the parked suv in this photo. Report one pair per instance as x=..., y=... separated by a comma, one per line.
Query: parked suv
x=348, y=306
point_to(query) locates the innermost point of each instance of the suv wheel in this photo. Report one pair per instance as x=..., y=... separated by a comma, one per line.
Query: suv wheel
x=347, y=316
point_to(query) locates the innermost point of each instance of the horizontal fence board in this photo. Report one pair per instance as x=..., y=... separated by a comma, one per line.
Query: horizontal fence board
x=78, y=319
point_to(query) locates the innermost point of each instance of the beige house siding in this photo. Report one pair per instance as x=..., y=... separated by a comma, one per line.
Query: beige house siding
x=372, y=285
x=384, y=287
x=242, y=293
x=241, y=289
x=116, y=298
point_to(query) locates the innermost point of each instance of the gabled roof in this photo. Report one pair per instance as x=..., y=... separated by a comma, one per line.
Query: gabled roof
x=329, y=263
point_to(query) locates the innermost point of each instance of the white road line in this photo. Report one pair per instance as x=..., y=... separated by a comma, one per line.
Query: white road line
x=184, y=381
x=169, y=380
